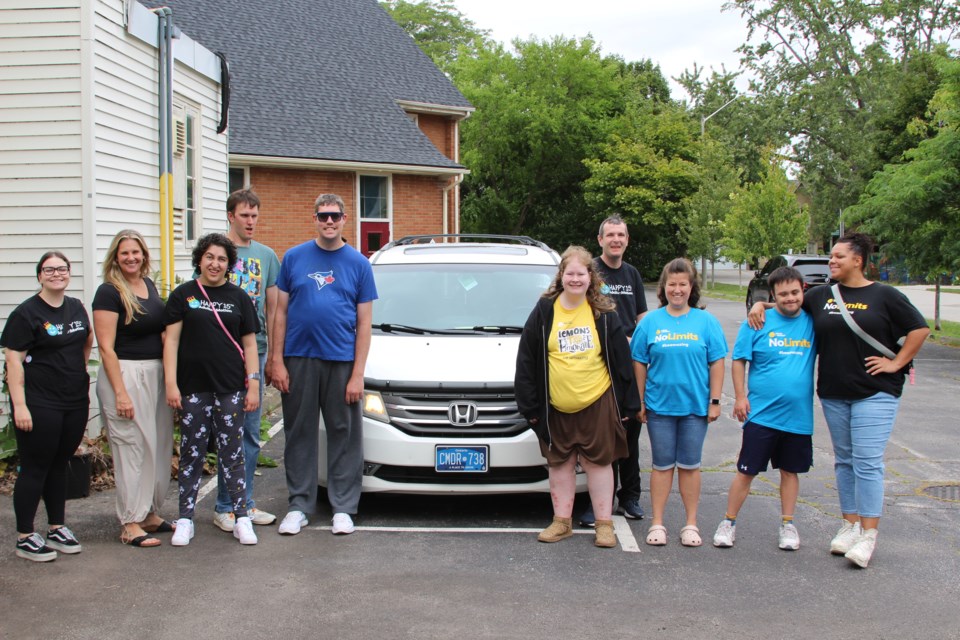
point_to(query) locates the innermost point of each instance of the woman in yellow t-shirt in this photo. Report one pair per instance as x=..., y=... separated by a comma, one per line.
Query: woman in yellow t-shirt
x=575, y=386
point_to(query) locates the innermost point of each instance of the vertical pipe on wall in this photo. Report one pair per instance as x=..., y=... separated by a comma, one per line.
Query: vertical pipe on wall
x=168, y=33
x=163, y=137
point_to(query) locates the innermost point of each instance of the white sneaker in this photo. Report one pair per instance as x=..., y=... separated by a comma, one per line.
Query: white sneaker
x=342, y=524
x=243, y=531
x=183, y=533
x=224, y=521
x=789, y=538
x=292, y=523
x=258, y=516
x=862, y=551
x=726, y=534
x=848, y=536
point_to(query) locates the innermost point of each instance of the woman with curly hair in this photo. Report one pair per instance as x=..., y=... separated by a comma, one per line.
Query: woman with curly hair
x=128, y=321
x=678, y=353
x=575, y=386
x=206, y=369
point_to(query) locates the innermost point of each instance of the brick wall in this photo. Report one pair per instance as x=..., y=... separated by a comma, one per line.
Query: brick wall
x=417, y=205
x=439, y=129
x=287, y=197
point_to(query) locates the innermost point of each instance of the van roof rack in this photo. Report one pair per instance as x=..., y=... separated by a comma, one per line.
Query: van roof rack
x=426, y=238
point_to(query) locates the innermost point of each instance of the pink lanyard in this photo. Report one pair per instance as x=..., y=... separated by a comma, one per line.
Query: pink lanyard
x=222, y=326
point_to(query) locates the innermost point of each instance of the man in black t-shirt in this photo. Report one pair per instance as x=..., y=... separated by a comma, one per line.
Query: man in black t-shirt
x=622, y=283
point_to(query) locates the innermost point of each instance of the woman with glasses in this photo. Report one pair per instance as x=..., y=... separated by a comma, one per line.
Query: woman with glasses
x=206, y=371
x=575, y=386
x=128, y=321
x=48, y=341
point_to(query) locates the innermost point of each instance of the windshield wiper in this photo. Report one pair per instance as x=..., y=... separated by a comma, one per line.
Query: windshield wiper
x=399, y=328
x=405, y=328
x=502, y=329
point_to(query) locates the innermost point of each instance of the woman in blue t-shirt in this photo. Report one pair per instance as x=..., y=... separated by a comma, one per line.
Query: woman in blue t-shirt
x=48, y=341
x=678, y=353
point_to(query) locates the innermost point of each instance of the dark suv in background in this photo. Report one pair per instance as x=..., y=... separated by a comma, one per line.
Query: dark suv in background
x=815, y=271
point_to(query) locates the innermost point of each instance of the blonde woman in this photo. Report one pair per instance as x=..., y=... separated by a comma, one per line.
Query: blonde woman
x=575, y=386
x=128, y=321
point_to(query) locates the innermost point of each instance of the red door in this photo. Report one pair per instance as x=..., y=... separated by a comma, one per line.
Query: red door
x=373, y=235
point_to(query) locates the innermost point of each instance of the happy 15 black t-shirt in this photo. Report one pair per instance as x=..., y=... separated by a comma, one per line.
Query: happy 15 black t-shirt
x=883, y=312
x=625, y=287
x=206, y=359
x=141, y=339
x=55, y=370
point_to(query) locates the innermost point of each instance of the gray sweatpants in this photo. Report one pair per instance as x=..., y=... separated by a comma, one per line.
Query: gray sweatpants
x=320, y=386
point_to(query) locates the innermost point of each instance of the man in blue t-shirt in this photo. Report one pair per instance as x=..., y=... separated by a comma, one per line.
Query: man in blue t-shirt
x=776, y=404
x=322, y=335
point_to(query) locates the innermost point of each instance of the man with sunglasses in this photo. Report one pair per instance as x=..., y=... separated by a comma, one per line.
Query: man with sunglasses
x=321, y=337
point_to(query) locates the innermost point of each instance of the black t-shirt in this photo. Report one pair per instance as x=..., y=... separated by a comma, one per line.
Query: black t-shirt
x=141, y=339
x=55, y=370
x=881, y=311
x=625, y=288
x=206, y=359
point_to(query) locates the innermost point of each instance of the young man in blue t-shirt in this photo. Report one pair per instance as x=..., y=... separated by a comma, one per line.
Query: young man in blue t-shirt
x=776, y=404
x=321, y=339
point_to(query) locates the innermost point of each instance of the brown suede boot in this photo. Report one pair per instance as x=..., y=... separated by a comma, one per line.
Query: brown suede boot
x=605, y=536
x=559, y=529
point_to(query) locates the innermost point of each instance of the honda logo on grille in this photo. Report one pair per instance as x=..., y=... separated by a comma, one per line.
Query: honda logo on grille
x=462, y=414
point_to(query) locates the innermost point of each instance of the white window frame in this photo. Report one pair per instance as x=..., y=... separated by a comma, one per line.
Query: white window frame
x=188, y=113
x=389, y=217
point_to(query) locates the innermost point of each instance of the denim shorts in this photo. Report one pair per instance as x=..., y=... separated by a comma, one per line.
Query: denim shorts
x=676, y=441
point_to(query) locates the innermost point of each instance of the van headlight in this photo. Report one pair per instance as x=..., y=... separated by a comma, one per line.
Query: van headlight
x=373, y=406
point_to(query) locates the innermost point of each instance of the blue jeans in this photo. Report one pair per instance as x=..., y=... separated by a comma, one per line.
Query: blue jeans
x=860, y=430
x=251, y=451
x=676, y=441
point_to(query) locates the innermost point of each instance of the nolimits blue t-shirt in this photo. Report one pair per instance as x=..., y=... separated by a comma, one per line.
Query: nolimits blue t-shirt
x=678, y=352
x=325, y=288
x=780, y=373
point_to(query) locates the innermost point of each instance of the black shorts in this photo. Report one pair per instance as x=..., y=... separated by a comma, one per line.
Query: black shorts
x=786, y=451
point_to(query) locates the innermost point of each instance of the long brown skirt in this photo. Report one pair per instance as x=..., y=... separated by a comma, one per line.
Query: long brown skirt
x=594, y=433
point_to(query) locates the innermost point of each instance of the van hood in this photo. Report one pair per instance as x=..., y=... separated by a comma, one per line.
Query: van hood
x=473, y=358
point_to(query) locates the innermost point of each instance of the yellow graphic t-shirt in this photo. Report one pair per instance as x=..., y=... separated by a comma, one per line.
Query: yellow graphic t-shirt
x=578, y=374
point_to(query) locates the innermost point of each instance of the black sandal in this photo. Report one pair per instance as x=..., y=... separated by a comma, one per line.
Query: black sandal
x=141, y=541
x=163, y=527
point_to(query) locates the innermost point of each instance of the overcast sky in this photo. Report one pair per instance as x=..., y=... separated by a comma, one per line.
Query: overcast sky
x=672, y=33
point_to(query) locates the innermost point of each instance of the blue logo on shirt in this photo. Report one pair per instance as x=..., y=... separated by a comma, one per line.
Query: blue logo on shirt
x=323, y=278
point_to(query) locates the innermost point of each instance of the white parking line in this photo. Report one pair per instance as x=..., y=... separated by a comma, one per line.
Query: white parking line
x=620, y=527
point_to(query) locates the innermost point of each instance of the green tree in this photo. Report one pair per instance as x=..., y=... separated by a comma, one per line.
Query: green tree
x=827, y=69
x=765, y=219
x=540, y=112
x=914, y=207
x=646, y=172
x=439, y=28
x=708, y=207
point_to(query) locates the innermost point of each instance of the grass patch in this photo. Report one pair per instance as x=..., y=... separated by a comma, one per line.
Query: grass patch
x=725, y=291
x=943, y=290
x=949, y=333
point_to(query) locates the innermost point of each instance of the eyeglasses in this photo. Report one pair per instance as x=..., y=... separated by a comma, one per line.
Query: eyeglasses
x=323, y=216
x=49, y=271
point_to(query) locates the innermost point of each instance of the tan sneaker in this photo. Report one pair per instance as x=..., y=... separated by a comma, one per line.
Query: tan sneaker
x=605, y=537
x=559, y=529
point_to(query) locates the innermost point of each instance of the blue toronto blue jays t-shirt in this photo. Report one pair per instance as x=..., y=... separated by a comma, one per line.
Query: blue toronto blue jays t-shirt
x=678, y=352
x=325, y=288
x=780, y=373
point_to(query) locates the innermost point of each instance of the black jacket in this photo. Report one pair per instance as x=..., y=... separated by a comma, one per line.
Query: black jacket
x=530, y=381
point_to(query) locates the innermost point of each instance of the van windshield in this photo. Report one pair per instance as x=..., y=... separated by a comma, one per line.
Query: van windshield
x=458, y=296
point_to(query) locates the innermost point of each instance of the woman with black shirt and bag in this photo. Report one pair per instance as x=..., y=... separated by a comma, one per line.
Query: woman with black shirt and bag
x=858, y=383
x=207, y=320
x=48, y=341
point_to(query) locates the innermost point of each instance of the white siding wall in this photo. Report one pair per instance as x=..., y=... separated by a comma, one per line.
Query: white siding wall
x=43, y=129
x=40, y=146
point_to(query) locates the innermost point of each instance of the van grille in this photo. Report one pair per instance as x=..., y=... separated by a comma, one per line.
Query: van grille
x=459, y=414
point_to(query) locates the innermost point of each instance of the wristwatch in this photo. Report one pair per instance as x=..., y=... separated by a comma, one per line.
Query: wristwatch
x=715, y=401
x=253, y=376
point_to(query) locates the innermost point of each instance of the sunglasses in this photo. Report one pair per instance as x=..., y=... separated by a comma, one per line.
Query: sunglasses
x=323, y=216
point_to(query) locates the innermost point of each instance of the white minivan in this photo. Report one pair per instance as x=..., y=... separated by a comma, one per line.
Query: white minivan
x=439, y=414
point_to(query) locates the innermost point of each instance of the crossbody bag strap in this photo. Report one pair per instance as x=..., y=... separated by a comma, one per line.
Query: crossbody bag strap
x=222, y=326
x=857, y=329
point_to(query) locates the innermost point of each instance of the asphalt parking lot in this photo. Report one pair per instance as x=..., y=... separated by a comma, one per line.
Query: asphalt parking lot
x=455, y=567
